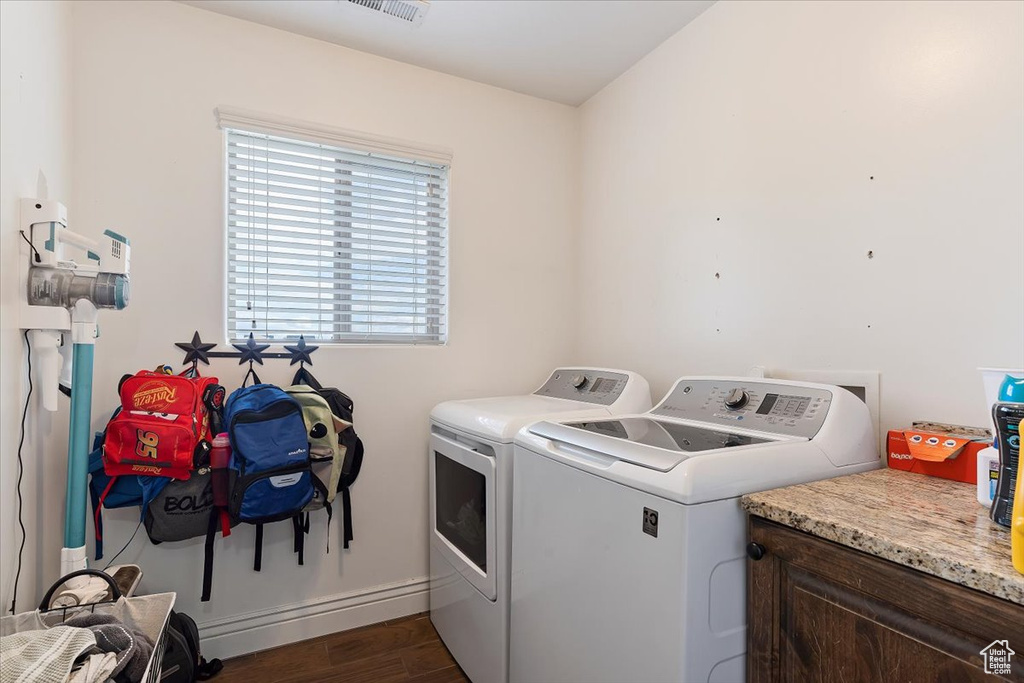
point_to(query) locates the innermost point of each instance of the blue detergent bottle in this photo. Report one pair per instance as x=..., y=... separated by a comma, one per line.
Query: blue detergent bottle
x=1008, y=414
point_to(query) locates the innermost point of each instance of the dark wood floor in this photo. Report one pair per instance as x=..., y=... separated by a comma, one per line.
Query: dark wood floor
x=406, y=650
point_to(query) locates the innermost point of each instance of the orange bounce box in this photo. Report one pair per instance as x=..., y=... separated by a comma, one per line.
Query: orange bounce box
x=939, y=450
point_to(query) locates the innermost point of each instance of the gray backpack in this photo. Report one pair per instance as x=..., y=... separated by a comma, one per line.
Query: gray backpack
x=184, y=509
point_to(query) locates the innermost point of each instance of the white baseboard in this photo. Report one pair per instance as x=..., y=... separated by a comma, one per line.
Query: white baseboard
x=264, y=629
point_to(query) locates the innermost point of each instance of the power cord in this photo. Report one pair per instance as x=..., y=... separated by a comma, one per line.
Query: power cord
x=35, y=252
x=21, y=469
x=124, y=547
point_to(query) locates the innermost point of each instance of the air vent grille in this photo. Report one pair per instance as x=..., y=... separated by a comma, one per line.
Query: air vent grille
x=411, y=11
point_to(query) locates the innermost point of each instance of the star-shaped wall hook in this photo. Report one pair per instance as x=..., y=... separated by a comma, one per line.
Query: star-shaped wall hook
x=301, y=351
x=251, y=351
x=196, y=351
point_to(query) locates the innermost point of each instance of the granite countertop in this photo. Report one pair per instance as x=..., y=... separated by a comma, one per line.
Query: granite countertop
x=933, y=525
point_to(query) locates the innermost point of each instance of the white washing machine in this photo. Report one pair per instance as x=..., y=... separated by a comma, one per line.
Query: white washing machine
x=628, y=540
x=471, y=503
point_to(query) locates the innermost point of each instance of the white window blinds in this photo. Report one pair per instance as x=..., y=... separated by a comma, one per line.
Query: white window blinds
x=339, y=245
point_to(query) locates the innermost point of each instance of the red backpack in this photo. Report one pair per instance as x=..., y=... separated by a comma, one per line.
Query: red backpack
x=163, y=425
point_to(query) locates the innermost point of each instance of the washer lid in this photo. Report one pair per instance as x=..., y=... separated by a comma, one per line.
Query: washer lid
x=498, y=419
x=654, y=444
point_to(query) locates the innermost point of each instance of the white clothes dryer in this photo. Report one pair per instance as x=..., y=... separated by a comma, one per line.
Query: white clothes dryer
x=471, y=503
x=628, y=539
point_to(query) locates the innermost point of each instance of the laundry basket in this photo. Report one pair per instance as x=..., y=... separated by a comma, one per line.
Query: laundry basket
x=145, y=613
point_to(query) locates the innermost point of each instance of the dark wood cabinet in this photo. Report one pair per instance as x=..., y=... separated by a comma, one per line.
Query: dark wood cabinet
x=819, y=611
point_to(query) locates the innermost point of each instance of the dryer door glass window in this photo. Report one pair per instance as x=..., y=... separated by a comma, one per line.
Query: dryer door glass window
x=461, y=504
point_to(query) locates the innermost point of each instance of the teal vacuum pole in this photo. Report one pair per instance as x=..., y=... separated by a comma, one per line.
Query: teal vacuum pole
x=83, y=340
x=78, y=445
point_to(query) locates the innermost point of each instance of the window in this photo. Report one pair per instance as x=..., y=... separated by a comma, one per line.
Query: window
x=338, y=244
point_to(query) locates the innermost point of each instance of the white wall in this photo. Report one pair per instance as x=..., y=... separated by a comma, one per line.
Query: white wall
x=149, y=163
x=35, y=162
x=771, y=117
x=745, y=146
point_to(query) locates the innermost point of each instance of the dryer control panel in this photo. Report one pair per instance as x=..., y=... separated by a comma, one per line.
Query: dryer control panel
x=583, y=384
x=755, y=404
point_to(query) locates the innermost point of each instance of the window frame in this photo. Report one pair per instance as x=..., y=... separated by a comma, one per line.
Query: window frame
x=243, y=121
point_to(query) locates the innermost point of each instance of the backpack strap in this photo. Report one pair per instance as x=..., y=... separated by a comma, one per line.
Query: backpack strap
x=257, y=562
x=304, y=376
x=330, y=514
x=211, y=534
x=218, y=518
x=300, y=525
x=98, y=519
x=346, y=513
x=251, y=373
x=347, y=479
x=322, y=492
x=208, y=669
x=94, y=498
x=97, y=510
x=97, y=522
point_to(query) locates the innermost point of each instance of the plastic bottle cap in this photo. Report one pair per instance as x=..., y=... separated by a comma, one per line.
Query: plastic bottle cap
x=1011, y=390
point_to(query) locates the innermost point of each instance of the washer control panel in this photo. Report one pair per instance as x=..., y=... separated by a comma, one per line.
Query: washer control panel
x=582, y=384
x=754, y=404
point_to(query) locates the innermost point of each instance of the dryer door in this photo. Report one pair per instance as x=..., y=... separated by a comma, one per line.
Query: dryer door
x=462, y=507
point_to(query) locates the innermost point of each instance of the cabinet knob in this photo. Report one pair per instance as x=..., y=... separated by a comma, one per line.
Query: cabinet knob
x=755, y=551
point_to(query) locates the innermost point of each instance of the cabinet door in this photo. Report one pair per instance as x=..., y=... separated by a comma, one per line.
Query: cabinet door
x=819, y=611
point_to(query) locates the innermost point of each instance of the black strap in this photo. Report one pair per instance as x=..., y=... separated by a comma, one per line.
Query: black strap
x=304, y=376
x=208, y=669
x=346, y=512
x=251, y=373
x=97, y=517
x=211, y=535
x=300, y=524
x=346, y=480
x=257, y=562
x=354, y=465
x=330, y=514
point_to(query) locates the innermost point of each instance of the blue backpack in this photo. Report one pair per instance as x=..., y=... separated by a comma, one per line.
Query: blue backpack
x=108, y=492
x=269, y=471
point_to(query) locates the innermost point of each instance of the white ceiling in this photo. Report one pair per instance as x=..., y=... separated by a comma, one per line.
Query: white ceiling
x=560, y=50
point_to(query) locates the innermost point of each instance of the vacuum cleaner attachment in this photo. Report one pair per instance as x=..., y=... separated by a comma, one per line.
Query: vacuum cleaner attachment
x=91, y=587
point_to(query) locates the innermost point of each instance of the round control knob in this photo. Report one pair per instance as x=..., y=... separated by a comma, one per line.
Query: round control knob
x=578, y=381
x=736, y=399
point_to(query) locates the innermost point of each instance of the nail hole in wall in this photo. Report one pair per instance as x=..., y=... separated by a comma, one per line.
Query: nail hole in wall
x=718, y=276
x=871, y=254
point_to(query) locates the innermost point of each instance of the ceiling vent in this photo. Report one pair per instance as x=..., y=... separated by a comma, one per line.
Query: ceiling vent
x=411, y=11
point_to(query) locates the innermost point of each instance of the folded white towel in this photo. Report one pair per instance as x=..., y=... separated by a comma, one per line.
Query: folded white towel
x=42, y=656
